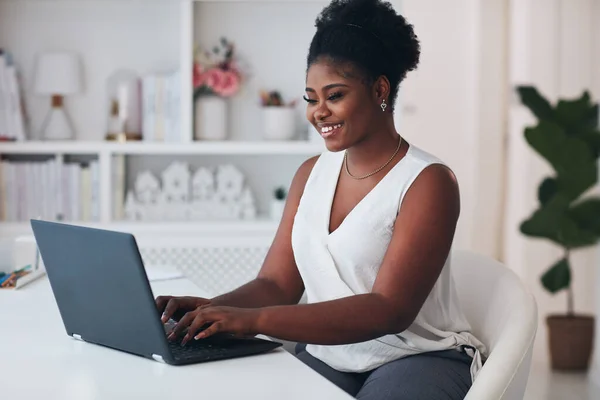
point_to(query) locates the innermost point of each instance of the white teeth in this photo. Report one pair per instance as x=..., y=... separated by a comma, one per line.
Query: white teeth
x=326, y=129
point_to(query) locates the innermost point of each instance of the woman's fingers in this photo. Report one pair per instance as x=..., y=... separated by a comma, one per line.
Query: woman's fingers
x=172, y=306
x=200, y=320
x=161, y=302
x=211, y=330
x=183, y=323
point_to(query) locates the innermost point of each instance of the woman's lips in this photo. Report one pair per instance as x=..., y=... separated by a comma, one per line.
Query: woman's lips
x=330, y=130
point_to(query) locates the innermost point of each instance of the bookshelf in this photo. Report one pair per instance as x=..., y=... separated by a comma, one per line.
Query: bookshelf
x=156, y=148
x=186, y=23
x=109, y=156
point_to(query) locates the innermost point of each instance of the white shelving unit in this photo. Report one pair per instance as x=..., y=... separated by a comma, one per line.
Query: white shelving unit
x=157, y=148
x=104, y=152
x=187, y=22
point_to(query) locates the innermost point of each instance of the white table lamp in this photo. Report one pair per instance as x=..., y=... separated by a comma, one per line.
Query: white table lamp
x=57, y=75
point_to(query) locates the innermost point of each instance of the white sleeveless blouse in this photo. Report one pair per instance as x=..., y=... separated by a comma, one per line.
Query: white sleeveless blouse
x=345, y=263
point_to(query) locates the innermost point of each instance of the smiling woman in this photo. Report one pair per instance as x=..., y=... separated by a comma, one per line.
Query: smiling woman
x=366, y=232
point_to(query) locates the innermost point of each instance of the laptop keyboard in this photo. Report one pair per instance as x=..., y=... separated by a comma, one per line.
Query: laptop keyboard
x=214, y=348
x=197, y=349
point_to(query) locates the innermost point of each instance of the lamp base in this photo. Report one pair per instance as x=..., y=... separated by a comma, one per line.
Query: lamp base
x=57, y=125
x=123, y=137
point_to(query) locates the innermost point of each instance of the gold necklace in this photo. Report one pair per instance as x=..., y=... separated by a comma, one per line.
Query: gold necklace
x=377, y=170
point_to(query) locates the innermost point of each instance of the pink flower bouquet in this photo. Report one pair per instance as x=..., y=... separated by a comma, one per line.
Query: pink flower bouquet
x=216, y=72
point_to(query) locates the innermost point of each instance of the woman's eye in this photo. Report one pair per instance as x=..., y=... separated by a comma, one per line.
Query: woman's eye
x=334, y=96
x=310, y=101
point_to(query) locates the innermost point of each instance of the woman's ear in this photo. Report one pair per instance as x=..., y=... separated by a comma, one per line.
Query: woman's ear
x=381, y=88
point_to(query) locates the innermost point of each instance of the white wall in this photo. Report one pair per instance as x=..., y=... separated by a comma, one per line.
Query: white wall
x=108, y=34
x=452, y=105
x=491, y=128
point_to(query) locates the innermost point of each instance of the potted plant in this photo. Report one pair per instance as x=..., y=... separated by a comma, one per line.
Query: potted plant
x=567, y=136
x=278, y=202
x=216, y=76
x=278, y=117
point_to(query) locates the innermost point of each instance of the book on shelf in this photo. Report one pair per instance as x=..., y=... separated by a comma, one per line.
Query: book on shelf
x=12, y=110
x=50, y=190
x=161, y=106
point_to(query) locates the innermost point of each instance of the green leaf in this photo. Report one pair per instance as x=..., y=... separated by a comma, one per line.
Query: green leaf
x=546, y=221
x=592, y=137
x=578, y=180
x=538, y=105
x=571, y=157
x=586, y=214
x=571, y=236
x=558, y=277
x=576, y=114
x=564, y=153
x=547, y=190
x=554, y=221
x=591, y=117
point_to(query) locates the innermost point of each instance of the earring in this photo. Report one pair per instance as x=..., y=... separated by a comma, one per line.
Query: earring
x=383, y=105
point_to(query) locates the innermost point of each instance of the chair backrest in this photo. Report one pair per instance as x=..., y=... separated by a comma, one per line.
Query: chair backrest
x=502, y=314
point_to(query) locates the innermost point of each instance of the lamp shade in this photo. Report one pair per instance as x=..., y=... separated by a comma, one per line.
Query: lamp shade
x=57, y=74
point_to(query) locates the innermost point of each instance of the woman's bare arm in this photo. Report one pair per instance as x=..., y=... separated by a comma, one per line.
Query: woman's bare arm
x=420, y=245
x=278, y=282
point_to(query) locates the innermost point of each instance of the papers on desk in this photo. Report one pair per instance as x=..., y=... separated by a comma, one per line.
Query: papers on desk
x=162, y=273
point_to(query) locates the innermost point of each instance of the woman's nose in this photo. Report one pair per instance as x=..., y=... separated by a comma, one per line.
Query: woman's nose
x=322, y=112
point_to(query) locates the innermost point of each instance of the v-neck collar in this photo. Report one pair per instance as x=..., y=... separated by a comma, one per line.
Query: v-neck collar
x=336, y=180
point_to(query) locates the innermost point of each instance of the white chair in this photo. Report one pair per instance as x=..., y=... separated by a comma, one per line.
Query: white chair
x=503, y=315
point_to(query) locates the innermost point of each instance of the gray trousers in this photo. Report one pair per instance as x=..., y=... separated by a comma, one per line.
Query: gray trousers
x=440, y=375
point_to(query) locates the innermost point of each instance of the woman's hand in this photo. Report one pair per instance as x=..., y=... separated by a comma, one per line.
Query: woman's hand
x=169, y=305
x=238, y=321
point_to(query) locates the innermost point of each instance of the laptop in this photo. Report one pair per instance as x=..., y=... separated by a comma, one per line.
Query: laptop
x=104, y=297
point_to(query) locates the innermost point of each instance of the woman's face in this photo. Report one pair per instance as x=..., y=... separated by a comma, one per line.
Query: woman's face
x=340, y=105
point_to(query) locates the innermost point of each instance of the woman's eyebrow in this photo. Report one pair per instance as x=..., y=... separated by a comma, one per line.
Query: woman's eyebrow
x=327, y=87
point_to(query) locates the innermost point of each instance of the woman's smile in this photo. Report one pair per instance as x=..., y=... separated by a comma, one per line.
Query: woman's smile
x=328, y=130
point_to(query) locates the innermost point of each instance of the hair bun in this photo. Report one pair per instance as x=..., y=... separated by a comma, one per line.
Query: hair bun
x=341, y=12
x=380, y=19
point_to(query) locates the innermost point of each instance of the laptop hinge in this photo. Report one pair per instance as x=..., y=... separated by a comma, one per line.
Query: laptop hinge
x=78, y=337
x=158, y=358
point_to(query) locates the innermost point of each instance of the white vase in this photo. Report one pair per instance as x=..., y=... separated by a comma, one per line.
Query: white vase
x=210, y=122
x=279, y=123
x=277, y=207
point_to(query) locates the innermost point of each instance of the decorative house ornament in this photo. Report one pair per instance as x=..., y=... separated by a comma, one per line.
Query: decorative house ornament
x=205, y=194
x=147, y=188
x=176, y=182
x=133, y=211
x=230, y=183
x=203, y=184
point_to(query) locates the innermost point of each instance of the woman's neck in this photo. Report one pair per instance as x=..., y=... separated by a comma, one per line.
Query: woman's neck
x=374, y=150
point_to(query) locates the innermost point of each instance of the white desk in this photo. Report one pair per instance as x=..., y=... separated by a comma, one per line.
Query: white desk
x=39, y=361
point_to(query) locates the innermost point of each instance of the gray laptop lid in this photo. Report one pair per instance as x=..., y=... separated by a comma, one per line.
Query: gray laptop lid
x=101, y=288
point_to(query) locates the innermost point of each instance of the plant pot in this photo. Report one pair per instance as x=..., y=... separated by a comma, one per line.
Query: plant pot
x=571, y=341
x=210, y=118
x=279, y=123
x=277, y=207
